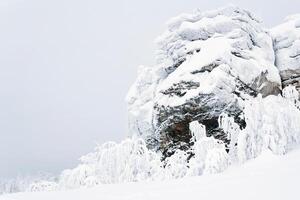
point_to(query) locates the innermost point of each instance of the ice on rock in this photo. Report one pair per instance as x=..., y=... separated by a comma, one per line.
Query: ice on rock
x=286, y=38
x=210, y=155
x=197, y=130
x=207, y=62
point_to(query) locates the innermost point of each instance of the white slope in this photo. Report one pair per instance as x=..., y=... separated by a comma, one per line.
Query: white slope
x=267, y=177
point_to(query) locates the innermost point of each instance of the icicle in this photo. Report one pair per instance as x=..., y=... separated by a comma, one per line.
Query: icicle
x=197, y=130
x=290, y=92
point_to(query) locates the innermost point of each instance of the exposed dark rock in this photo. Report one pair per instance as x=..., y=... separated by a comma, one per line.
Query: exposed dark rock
x=180, y=88
x=207, y=68
x=173, y=122
x=172, y=68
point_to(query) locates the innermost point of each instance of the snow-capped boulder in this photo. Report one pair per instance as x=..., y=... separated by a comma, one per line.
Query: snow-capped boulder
x=287, y=50
x=207, y=63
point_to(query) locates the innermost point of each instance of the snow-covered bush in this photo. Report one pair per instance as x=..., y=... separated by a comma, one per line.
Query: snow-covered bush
x=176, y=165
x=79, y=176
x=209, y=154
x=272, y=123
x=13, y=185
x=26, y=183
x=42, y=186
x=130, y=160
x=291, y=93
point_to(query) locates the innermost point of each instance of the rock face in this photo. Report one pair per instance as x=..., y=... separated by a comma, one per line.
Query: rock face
x=287, y=50
x=207, y=64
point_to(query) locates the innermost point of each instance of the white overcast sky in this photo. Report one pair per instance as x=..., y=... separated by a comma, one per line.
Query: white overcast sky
x=65, y=68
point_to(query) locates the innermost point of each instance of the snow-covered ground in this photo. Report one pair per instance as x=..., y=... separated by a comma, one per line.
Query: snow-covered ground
x=267, y=177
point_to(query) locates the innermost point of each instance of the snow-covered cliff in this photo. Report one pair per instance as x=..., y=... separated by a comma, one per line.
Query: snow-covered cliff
x=287, y=50
x=208, y=63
